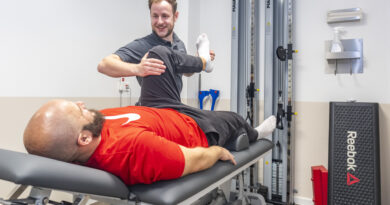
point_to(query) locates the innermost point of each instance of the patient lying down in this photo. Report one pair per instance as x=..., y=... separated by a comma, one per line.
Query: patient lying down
x=138, y=144
x=143, y=144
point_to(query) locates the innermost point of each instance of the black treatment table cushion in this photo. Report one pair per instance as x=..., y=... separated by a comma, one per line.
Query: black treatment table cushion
x=27, y=169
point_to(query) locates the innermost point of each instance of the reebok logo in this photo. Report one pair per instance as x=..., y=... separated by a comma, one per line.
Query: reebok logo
x=351, y=153
x=351, y=179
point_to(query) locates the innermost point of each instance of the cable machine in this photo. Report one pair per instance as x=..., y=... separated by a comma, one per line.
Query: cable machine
x=278, y=168
x=278, y=86
x=245, y=69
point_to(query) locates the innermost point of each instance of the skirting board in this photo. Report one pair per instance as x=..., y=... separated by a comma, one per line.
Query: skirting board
x=303, y=201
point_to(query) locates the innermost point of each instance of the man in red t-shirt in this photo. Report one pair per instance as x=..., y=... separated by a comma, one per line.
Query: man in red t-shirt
x=138, y=144
x=141, y=144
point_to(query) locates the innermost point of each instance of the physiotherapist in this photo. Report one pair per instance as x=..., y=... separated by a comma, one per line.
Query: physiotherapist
x=130, y=60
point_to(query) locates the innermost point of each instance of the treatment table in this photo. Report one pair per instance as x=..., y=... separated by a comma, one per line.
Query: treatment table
x=44, y=175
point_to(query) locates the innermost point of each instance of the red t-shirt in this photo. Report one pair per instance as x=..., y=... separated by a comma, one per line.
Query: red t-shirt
x=141, y=144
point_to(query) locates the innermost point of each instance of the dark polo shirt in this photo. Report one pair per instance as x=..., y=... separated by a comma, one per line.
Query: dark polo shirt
x=135, y=50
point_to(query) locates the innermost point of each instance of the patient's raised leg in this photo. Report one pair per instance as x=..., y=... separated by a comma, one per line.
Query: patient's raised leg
x=164, y=90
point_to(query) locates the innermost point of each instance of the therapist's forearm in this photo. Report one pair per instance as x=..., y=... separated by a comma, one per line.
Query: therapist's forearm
x=113, y=66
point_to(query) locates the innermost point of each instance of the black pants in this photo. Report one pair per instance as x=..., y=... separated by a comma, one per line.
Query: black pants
x=161, y=92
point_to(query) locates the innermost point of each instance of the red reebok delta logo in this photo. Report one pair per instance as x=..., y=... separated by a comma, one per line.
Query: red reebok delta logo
x=351, y=179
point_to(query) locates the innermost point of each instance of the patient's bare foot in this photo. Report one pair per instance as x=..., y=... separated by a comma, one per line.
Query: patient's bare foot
x=266, y=127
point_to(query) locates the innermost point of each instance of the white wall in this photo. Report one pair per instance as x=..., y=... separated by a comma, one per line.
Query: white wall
x=312, y=81
x=182, y=29
x=214, y=19
x=52, y=47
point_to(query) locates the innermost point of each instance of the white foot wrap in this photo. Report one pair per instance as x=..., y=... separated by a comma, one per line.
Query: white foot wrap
x=203, y=46
x=267, y=127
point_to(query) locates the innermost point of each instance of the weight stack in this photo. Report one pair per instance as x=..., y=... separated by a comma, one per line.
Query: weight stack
x=354, y=164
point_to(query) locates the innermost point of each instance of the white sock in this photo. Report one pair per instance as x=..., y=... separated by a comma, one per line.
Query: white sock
x=203, y=46
x=266, y=127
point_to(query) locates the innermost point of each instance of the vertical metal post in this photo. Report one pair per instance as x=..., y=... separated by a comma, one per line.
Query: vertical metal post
x=279, y=184
x=245, y=66
x=291, y=105
x=256, y=58
x=234, y=57
x=268, y=85
x=256, y=74
x=241, y=54
x=244, y=55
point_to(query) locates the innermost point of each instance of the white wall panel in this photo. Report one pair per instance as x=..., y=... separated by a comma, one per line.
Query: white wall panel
x=52, y=47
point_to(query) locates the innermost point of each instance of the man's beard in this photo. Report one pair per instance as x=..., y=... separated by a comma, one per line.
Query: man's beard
x=170, y=30
x=96, y=126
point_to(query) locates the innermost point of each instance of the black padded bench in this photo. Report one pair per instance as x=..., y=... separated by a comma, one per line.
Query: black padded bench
x=48, y=174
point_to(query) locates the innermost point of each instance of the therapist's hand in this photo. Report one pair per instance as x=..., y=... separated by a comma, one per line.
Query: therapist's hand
x=150, y=66
x=212, y=55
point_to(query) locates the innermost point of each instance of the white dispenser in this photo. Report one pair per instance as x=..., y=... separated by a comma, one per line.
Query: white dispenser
x=337, y=46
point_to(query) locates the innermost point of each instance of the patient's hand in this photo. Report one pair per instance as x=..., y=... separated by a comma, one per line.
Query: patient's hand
x=226, y=155
x=201, y=158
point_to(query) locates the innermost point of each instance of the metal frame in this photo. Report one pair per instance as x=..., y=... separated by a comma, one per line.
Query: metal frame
x=278, y=91
x=40, y=196
x=278, y=85
x=241, y=54
x=245, y=67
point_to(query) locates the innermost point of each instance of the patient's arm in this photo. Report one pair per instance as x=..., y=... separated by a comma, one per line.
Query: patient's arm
x=201, y=158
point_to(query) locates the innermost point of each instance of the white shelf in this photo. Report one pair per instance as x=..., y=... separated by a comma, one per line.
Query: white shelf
x=343, y=55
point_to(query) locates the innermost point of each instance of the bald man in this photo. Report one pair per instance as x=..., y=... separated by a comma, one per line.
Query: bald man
x=138, y=144
x=142, y=144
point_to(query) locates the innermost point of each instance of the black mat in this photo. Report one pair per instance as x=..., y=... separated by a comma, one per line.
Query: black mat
x=354, y=170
